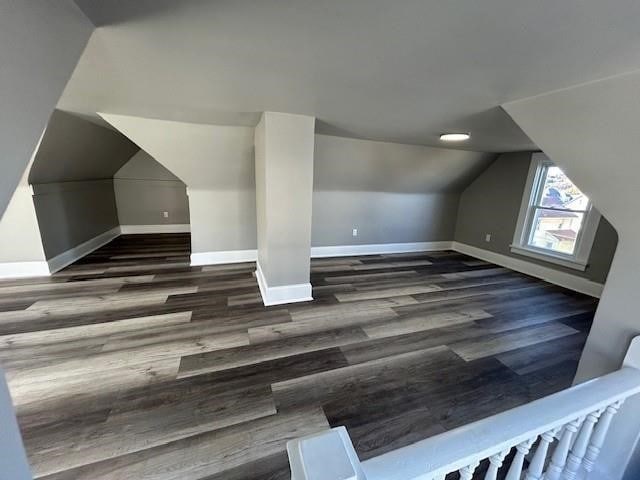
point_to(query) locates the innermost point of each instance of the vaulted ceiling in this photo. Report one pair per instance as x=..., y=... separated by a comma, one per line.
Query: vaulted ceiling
x=402, y=71
x=40, y=43
x=73, y=149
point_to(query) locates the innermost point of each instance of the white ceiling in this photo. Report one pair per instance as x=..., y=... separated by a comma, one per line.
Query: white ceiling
x=393, y=70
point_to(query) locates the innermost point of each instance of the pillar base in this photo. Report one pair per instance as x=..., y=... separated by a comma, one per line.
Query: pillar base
x=282, y=294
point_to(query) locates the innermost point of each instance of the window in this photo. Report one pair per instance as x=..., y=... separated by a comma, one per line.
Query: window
x=557, y=222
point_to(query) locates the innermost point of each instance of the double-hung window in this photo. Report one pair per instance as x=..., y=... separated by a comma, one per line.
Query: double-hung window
x=557, y=222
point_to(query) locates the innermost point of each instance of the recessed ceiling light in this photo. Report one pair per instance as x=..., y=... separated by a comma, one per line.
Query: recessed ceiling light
x=454, y=137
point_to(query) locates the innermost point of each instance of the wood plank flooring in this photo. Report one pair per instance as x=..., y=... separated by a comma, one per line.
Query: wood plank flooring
x=130, y=364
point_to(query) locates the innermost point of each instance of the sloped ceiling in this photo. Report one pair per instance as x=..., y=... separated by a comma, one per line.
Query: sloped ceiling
x=346, y=164
x=202, y=156
x=40, y=43
x=402, y=71
x=73, y=149
x=143, y=166
x=221, y=157
x=591, y=131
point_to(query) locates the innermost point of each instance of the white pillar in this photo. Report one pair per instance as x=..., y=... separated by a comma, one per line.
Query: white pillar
x=284, y=147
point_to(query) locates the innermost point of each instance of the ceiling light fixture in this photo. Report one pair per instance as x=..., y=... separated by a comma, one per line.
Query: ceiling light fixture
x=454, y=137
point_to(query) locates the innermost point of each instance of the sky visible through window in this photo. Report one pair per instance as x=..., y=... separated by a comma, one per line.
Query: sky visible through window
x=558, y=213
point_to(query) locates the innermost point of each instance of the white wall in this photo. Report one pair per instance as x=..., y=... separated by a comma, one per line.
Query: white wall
x=144, y=190
x=40, y=43
x=392, y=193
x=382, y=217
x=20, y=239
x=222, y=219
x=216, y=163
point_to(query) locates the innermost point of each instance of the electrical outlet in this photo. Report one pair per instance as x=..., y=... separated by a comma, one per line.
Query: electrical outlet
x=487, y=237
x=355, y=232
x=165, y=214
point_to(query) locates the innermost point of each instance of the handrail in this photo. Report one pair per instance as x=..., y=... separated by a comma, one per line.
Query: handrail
x=578, y=417
x=455, y=449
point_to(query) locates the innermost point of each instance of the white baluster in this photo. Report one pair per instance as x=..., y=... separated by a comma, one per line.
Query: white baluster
x=495, y=462
x=574, y=461
x=559, y=457
x=466, y=473
x=536, y=466
x=515, y=470
x=599, y=434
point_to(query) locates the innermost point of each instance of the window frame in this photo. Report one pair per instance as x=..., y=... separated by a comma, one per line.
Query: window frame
x=530, y=199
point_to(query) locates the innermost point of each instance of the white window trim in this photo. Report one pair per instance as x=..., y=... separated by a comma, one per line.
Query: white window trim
x=579, y=260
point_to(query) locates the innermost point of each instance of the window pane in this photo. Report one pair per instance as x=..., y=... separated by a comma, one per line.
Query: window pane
x=555, y=230
x=560, y=192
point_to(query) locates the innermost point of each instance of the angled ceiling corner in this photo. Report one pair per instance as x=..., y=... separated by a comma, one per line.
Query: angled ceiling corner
x=74, y=149
x=203, y=156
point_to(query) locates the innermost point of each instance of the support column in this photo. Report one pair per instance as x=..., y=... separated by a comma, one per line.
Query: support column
x=284, y=147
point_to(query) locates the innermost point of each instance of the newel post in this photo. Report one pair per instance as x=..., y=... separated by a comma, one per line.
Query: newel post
x=328, y=455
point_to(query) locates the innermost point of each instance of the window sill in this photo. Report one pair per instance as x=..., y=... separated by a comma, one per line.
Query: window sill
x=550, y=258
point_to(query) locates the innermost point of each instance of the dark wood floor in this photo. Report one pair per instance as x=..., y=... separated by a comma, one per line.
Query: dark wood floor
x=132, y=365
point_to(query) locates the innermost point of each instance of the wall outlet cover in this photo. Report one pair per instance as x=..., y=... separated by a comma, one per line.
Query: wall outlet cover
x=355, y=232
x=487, y=237
x=165, y=214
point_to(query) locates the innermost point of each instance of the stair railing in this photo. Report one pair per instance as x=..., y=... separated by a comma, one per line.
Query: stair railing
x=561, y=436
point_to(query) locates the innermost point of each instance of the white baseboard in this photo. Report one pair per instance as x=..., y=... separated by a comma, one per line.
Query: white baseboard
x=167, y=228
x=76, y=253
x=24, y=269
x=282, y=294
x=376, y=249
x=230, y=256
x=236, y=256
x=563, y=279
